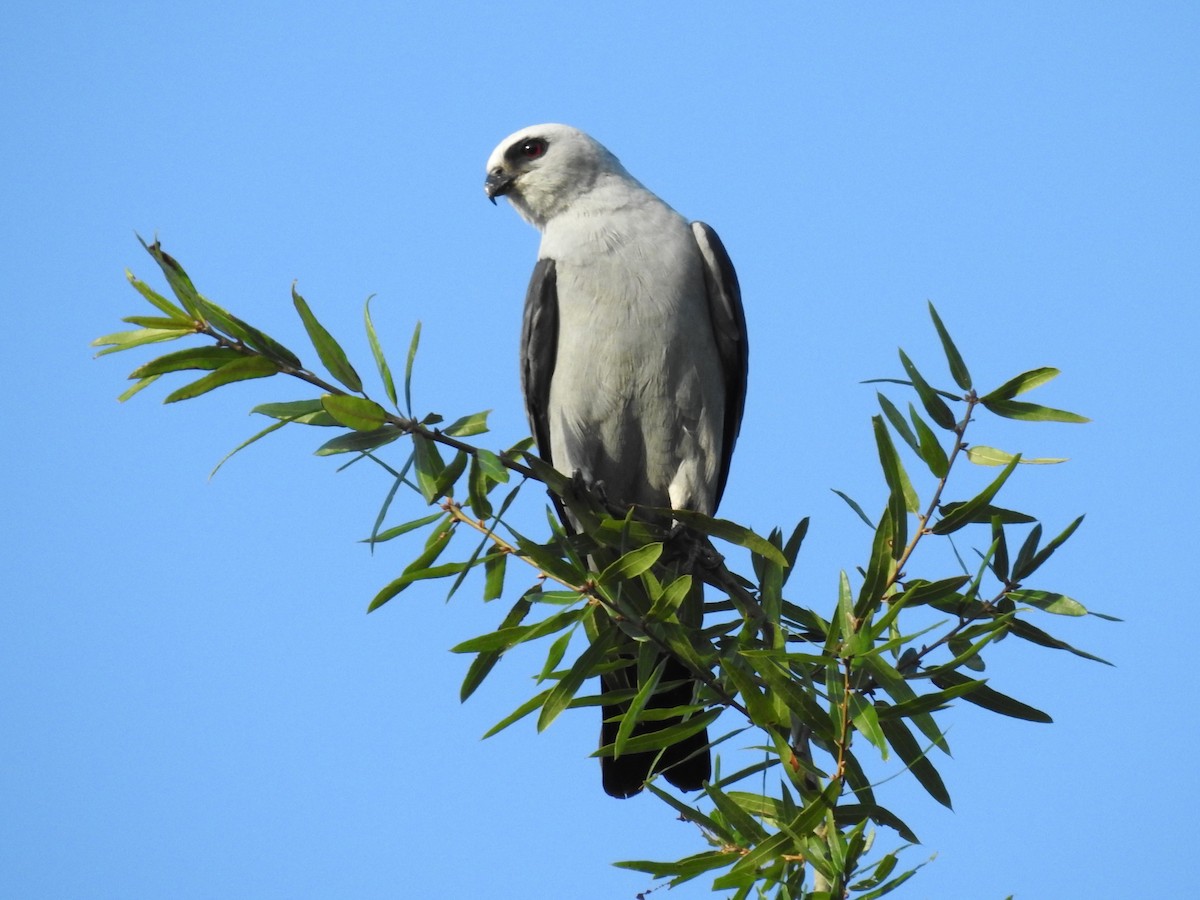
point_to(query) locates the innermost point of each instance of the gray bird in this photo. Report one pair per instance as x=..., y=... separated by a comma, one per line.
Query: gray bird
x=633, y=363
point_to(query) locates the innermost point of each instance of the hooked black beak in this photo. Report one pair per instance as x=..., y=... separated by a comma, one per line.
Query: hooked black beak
x=497, y=183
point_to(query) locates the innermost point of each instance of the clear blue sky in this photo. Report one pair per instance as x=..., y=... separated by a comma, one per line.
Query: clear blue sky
x=193, y=703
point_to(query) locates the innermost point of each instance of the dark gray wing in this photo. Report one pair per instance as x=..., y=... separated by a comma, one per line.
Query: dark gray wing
x=729, y=329
x=539, y=349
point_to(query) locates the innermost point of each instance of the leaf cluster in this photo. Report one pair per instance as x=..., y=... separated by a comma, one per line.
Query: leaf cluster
x=824, y=693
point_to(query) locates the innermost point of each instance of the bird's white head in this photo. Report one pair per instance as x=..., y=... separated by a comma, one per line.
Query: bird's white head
x=544, y=168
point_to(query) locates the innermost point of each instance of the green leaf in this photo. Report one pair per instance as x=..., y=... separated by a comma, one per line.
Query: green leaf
x=1044, y=554
x=274, y=426
x=476, y=423
x=854, y=506
x=668, y=602
x=897, y=419
x=629, y=718
x=302, y=412
x=448, y=478
x=125, y=340
x=397, y=530
x=485, y=661
x=408, y=368
x=866, y=720
x=492, y=466
x=1035, y=635
x=930, y=451
x=359, y=441
x=1026, y=381
x=494, y=568
x=569, y=684
x=385, y=372
x=157, y=299
x=1059, y=604
x=958, y=369
x=990, y=456
x=1031, y=412
x=519, y=713
x=192, y=358
x=902, y=498
x=967, y=512
x=728, y=531
x=333, y=357
x=987, y=698
x=915, y=759
x=239, y=370
x=933, y=403
x=358, y=413
x=136, y=388
x=880, y=568
x=419, y=568
x=428, y=464
x=632, y=564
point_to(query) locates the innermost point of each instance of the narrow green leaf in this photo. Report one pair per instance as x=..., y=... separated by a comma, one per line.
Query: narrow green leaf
x=902, y=498
x=359, y=441
x=494, y=568
x=302, y=412
x=1026, y=381
x=428, y=465
x=137, y=387
x=741, y=821
x=385, y=372
x=192, y=358
x=125, y=340
x=519, y=713
x=728, y=531
x=156, y=299
x=418, y=568
x=854, y=506
x=333, y=357
x=398, y=530
x=443, y=486
x=157, y=322
x=880, y=568
x=358, y=413
x=1035, y=635
x=1060, y=604
x=964, y=514
x=1031, y=412
x=492, y=466
x=866, y=721
x=958, y=369
x=1044, y=554
x=632, y=564
x=990, y=456
x=1000, y=557
x=897, y=419
x=930, y=399
x=239, y=370
x=274, y=426
x=915, y=759
x=485, y=661
x=408, y=368
x=569, y=684
x=478, y=486
x=476, y=423
x=987, y=698
x=669, y=600
x=629, y=718
x=930, y=450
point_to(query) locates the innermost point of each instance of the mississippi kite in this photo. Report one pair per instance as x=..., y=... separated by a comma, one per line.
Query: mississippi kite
x=633, y=362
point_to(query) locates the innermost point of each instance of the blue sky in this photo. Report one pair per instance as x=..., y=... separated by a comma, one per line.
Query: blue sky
x=193, y=701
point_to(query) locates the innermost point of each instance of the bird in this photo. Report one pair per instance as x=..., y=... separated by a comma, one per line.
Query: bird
x=633, y=363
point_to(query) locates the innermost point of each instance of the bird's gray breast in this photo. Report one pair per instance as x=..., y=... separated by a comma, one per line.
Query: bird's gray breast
x=637, y=398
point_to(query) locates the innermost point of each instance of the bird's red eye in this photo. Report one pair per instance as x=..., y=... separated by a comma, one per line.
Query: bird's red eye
x=534, y=148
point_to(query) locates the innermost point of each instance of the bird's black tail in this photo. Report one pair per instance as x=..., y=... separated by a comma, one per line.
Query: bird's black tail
x=687, y=764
